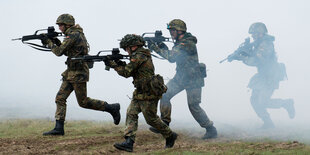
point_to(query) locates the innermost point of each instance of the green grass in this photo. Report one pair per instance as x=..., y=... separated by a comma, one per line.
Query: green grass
x=93, y=137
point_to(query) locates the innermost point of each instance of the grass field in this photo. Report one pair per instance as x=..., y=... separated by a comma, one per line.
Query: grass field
x=93, y=137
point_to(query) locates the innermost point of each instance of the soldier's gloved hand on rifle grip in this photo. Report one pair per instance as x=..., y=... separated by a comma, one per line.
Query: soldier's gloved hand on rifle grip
x=111, y=63
x=120, y=63
x=150, y=43
x=56, y=41
x=163, y=46
x=153, y=47
x=230, y=58
x=44, y=40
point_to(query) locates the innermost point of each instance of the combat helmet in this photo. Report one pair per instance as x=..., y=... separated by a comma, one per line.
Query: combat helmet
x=131, y=40
x=65, y=19
x=177, y=24
x=258, y=27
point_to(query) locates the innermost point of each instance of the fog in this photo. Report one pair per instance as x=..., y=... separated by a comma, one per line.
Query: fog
x=30, y=79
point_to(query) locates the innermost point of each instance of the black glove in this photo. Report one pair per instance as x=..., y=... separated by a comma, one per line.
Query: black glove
x=44, y=39
x=150, y=43
x=120, y=63
x=111, y=63
x=56, y=41
x=162, y=45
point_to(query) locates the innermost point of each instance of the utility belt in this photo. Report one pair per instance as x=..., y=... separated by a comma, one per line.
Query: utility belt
x=142, y=85
x=194, y=71
x=153, y=85
x=74, y=64
x=144, y=96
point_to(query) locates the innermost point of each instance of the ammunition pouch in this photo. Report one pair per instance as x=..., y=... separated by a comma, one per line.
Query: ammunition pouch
x=75, y=64
x=153, y=85
x=157, y=85
x=203, y=70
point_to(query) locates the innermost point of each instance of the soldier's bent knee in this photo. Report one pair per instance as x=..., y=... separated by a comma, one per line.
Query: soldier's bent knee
x=151, y=121
x=83, y=103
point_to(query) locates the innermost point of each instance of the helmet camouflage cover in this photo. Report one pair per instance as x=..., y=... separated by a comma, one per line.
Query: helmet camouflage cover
x=177, y=24
x=131, y=40
x=65, y=19
x=258, y=27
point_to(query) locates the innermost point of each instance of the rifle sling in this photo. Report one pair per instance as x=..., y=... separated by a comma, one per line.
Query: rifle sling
x=38, y=47
x=158, y=57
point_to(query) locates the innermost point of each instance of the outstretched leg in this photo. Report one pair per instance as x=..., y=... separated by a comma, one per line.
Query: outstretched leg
x=149, y=110
x=194, y=99
x=89, y=103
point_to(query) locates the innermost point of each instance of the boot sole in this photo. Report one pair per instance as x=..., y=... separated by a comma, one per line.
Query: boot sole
x=53, y=134
x=122, y=148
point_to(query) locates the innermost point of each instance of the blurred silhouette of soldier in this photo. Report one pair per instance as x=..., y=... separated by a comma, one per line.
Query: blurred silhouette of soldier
x=270, y=72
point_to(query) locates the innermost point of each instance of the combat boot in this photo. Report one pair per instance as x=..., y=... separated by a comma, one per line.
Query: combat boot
x=211, y=132
x=58, y=130
x=113, y=109
x=289, y=107
x=171, y=139
x=155, y=130
x=127, y=145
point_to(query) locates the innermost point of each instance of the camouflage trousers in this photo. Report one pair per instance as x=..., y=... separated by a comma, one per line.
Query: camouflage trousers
x=193, y=100
x=81, y=96
x=261, y=101
x=149, y=111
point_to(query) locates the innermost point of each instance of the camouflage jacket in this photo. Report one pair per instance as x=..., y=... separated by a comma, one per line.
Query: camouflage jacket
x=264, y=58
x=141, y=68
x=184, y=54
x=73, y=45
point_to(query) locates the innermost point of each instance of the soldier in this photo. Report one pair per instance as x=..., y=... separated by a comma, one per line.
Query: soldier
x=270, y=72
x=76, y=74
x=149, y=89
x=189, y=75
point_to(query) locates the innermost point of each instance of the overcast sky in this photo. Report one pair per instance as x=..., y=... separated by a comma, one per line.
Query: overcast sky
x=30, y=79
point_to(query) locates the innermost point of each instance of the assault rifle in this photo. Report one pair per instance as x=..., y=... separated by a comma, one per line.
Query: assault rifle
x=115, y=56
x=244, y=49
x=51, y=34
x=158, y=37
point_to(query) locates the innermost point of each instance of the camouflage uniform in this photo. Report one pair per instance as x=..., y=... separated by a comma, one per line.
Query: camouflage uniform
x=266, y=80
x=188, y=76
x=76, y=74
x=141, y=68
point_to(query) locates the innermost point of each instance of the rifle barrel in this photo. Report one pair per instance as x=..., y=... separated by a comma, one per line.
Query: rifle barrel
x=223, y=60
x=16, y=39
